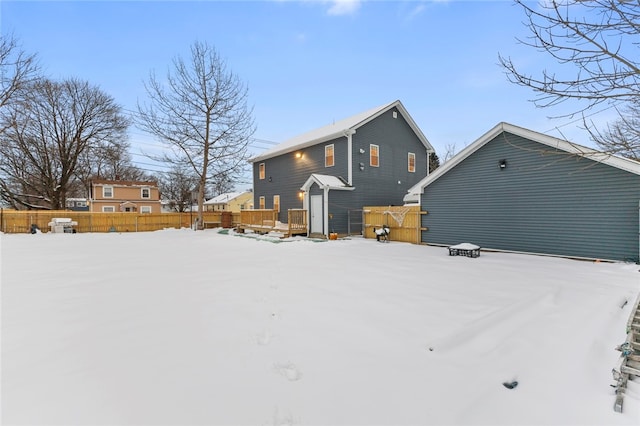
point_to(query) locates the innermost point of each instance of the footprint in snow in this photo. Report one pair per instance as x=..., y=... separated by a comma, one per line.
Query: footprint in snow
x=289, y=371
x=264, y=338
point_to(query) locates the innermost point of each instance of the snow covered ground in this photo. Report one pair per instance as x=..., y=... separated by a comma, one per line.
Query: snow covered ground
x=182, y=327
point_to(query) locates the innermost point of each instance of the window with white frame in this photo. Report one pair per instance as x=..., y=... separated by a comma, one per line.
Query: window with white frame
x=108, y=209
x=145, y=193
x=107, y=191
x=329, y=157
x=276, y=203
x=262, y=202
x=411, y=162
x=374, y=155
x=145, y=209
x=261, y=171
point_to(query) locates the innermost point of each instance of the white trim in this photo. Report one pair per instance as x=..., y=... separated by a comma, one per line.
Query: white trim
x=103, y=191
x=371, y=155
x=108, y=209
x=148, y=208
x=625, y=164
x=339, y=129
x=333, y=155
x=409, y=155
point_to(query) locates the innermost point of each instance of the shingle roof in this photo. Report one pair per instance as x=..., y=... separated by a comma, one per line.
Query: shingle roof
x=626, y=164
x=338, y=129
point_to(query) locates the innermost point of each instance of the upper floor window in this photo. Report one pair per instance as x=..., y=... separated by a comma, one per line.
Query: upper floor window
x=411, y=162
x=107, y=191
x=329, y=158
x=145, y=193
x=374, y=155
x=261, y=171
x=262, y=202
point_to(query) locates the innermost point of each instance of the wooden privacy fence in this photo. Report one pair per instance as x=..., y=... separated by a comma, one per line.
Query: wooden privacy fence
x=404, y=222
x=13, y=221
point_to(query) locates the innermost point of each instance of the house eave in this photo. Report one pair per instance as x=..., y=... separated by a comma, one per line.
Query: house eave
x=625, y=164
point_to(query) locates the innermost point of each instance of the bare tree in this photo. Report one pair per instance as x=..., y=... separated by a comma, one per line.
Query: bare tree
x=110, y=161
x=201, y=114
x=450, y=151
x=595, y=44
x=177, y=187
x=48, y=131
x=17, y=69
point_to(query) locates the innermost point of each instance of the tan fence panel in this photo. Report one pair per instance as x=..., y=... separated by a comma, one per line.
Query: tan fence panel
x=13, y=221
x=404, y=222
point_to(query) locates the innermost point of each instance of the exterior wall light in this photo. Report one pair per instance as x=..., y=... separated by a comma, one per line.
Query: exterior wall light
x=361, y=151
x=502, y=164
x=298, y=155
x=361, y=165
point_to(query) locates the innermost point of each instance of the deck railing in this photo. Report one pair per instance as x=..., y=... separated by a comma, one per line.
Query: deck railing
x=258, y=217
x=297, y=221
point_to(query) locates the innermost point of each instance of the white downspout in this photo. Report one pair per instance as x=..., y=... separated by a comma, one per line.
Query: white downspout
x=349, y=133
x=326, y=211
x=305, y=206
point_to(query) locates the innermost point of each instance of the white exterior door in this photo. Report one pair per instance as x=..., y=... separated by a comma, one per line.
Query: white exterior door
x=316, y=214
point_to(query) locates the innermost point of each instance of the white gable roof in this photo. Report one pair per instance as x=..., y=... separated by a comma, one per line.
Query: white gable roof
x=223, y=198
x=626, y=164
x=338, y=129
x=326, y=182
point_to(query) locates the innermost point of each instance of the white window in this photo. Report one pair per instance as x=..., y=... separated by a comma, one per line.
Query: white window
x=411, y=162
x=276, y=203
x=374, y=155
x=261, y=171
x=145, y=209
x=145, y=193
x=107, y=191
x=262, y=202
x=329, y=157
x=108, y=209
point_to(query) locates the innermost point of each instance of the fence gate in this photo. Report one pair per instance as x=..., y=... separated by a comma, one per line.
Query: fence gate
x=356, y=219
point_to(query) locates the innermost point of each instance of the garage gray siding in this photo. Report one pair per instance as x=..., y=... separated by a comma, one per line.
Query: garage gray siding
x=544, y=201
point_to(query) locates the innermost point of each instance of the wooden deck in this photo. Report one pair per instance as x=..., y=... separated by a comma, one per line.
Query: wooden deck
x=264, y=221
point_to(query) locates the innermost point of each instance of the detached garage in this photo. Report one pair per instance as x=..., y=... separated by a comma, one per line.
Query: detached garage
x=518, y=190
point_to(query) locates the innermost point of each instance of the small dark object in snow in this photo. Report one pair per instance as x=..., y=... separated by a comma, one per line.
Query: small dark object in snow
x=624, y=304
x=431, y=349
x=510, y=385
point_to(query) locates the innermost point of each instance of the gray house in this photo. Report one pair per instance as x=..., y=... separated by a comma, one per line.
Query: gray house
x=371, y=158
x=518, y=190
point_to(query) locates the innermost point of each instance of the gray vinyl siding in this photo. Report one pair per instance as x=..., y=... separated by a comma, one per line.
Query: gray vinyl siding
x=373, y=185
x=289, y=173
x=395, y=138
x=544, y=201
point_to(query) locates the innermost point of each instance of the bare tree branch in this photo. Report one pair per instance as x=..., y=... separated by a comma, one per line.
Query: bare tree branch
x=596, y=46
x=200, y=112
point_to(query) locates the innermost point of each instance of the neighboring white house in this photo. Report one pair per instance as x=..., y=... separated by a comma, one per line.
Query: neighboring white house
x=230, y=202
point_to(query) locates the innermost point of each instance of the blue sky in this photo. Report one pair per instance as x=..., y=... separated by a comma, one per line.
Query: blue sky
x=306, y=63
